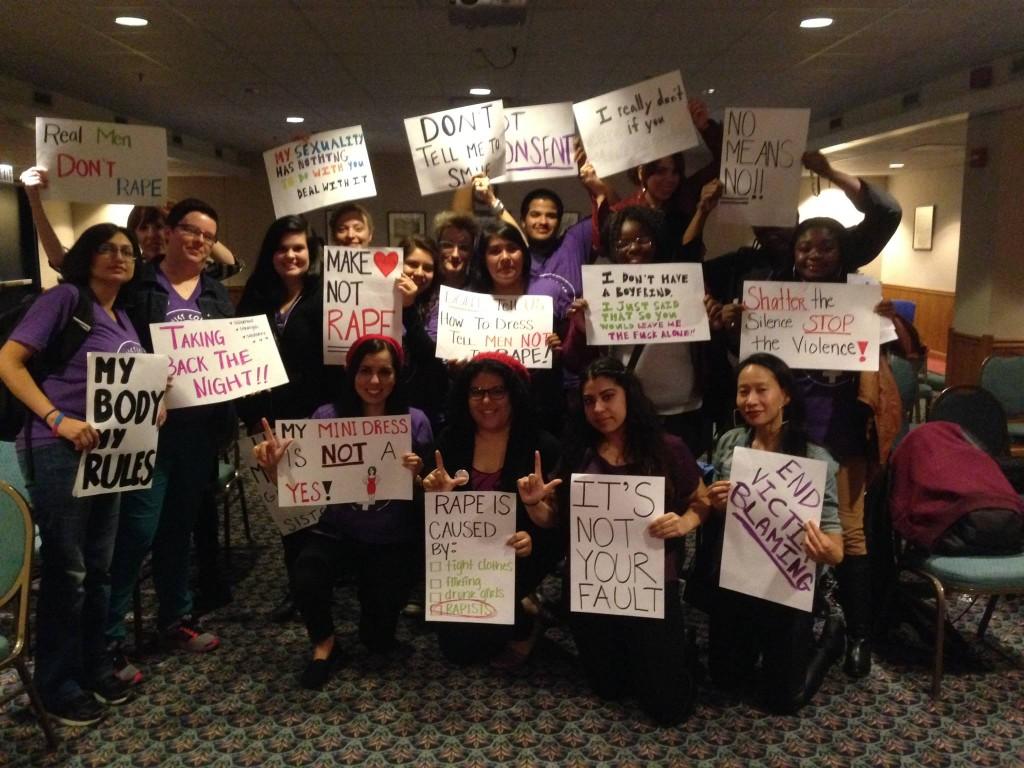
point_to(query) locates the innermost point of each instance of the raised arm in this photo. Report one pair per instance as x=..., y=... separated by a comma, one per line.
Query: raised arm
x=35, y=179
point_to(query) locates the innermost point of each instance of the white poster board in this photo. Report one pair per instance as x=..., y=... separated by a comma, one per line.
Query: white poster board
x=538, y=142
x=325, y=169
x=617, y=567
x=816, y=326
x=761, y=165
x=645, y=303
x=90, y=162
x=212, y=361
x=124, y=393
x=886, y=327
x=471, y=570
x=771, y=497
x=450, y=147
x=468, y=323
x=360, y=297
x=335, y=461
x=287, y=519
x=637, y=124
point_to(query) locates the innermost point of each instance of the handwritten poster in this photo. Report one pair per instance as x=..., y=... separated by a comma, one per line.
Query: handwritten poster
x=886, y=327
x=617, y=567
x=92, y=162
x=471, y=571
x=212, y=361
x=634, y=125
x=287, y=519
x=450, y=147
x=325, y=169
x=469, y=322
x=761, y=165
x=645, y=303
x=123, y=397
x=771, y=497
x=360, y=297
x=333, y=461
x=817, y=326
x=538, y=142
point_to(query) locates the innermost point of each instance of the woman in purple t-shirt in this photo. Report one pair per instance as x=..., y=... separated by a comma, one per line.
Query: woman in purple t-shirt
x=73, y=671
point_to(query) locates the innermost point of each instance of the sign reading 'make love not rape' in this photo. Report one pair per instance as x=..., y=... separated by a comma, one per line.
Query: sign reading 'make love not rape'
x=360, y=297
x=450, y=147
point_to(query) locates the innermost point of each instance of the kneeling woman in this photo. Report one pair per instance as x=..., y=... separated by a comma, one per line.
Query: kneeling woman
x=381, y=541
x=618, y=432
x=744, y=628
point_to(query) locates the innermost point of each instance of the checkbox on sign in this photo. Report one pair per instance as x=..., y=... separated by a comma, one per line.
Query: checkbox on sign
x=435, y=583
x=435, y=566
x=435, y=610
x=435, y=598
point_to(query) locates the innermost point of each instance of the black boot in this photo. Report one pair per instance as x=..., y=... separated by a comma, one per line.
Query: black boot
x=854, y=576
x=286, y=611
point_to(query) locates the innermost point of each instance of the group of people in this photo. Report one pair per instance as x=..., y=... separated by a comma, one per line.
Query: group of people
x=484, y=424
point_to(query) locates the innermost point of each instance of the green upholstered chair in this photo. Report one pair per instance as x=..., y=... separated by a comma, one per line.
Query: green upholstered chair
x=1003, y=376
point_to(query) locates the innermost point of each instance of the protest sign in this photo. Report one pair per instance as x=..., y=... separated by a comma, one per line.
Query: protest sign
x=817, y=326
x=471, y=570
x=771, y=497
x=325, y=169
x=761, y=165
x=124, y=393
x=216, y=360
x=644, y=303
x=450, y=147
x=631, y=126
x=287, y=519
x=360, y=297
x=886, y=327
x=468, y=323
x=334, y=461
x=92, y=162
x=617, y=567
x=538, y=142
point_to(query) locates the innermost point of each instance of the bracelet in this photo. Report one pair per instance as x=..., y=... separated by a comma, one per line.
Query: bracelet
x=56, y=422
x=497, y=207
x=47, y=414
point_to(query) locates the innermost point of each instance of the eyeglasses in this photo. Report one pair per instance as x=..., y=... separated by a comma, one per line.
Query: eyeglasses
x=111, y=251
x=494, y=394
x=196, y=232
x=448, y=246
x=625, y=245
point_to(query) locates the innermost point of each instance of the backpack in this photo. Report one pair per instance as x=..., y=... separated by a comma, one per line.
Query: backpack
x=61, y=347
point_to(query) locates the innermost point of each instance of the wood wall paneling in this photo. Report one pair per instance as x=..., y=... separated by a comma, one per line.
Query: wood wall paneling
x=967, y=353
x=933, y=317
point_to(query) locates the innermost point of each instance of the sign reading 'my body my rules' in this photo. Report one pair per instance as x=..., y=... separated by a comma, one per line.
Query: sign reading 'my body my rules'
x=450, y=147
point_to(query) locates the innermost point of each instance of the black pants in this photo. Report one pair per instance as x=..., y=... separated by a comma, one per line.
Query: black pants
x=384, y=573
x=644, y=657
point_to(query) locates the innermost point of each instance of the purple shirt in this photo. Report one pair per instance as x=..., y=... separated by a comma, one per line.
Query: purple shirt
x=67, y=389
x=835, y=418
x=484, y=481
x=567, y=259
x=179, y=309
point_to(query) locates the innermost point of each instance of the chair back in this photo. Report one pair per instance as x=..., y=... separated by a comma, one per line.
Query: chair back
x=10, y=470
x=977, y=411
x=1004, y=378
x=15, y=557
x=906, y=382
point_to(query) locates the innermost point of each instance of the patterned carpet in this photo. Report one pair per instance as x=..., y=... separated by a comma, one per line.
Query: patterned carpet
x=241, y=706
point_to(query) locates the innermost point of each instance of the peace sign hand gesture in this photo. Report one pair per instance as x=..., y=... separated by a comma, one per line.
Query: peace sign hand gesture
x=439, y=481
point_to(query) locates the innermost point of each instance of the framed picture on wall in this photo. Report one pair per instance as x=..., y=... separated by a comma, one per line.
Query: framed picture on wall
x=401, y=224
x=924, y=220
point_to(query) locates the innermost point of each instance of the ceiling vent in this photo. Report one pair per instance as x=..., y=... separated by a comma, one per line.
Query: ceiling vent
x=835, y=123
x=486, y=13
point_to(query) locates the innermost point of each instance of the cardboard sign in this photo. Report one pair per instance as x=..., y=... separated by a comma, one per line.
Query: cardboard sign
x=123, y=397
x=287, y=519
x=617, y=567
x=471, y=570
x=645, y=303
x=771, y=497
x=468, y=323
x=634, y=125
x=325, y=169
x=886, y=327
x=538, y=142
x=360, y=297
x=102, y=162
x=817, y=326
x=212, y=361
x=334, y=461
x=450, y=147
x=761, y=165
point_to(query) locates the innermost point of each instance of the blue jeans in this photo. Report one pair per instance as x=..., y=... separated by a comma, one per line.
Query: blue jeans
x=77, y=544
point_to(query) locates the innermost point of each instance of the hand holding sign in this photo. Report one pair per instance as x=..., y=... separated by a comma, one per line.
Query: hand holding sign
x=671, y=526
x=439, y=481
x=821, y=547
x=81, y=434
x=521, y=542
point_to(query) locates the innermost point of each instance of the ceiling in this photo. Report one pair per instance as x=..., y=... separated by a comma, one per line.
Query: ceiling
x=925, y=147
x=228, y=71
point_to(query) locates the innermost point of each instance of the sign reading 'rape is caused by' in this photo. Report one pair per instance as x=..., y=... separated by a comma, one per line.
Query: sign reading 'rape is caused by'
x=450, y=147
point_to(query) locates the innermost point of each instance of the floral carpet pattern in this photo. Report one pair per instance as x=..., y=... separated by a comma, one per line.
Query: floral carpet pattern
x=241, y=705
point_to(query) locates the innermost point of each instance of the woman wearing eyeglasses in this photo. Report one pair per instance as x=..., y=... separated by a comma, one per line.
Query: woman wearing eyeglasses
x=73, y=672
x=456, y=235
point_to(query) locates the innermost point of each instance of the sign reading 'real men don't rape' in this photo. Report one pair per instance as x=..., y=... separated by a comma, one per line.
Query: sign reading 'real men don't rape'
x=771, y=498
x=450, y=147
x=325, y=169
x=630, y=126
x=212, y=361
x=360, y=297
x=538, y=142
x=90, y=162
x=816, y=326
x=124, y=394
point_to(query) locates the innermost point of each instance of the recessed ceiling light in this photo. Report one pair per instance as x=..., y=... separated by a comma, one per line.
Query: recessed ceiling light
x=816, y=22
x=709, y=91
x=295, y=119
x=131, y=21
x=895, y=165
x=479, y=91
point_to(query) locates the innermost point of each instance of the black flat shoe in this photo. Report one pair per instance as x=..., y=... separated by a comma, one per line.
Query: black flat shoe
x=316, y=674
x=858, y=657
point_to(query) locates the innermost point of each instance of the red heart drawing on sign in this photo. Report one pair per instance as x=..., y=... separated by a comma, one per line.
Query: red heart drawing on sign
x=386, y=261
